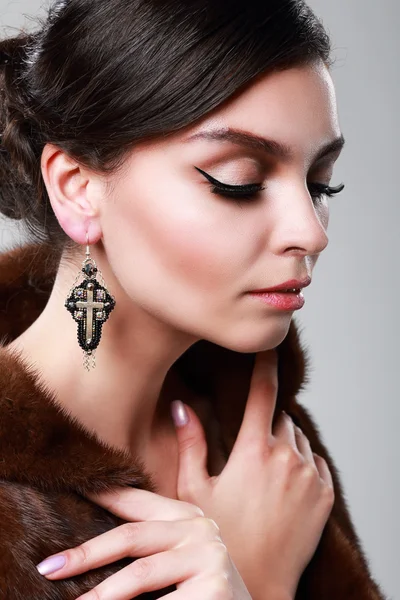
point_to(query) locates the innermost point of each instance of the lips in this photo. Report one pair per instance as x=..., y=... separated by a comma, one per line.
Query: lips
x=281, y=300
x=293, y=286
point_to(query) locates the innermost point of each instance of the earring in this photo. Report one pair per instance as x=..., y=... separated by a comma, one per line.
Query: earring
x=90, y=304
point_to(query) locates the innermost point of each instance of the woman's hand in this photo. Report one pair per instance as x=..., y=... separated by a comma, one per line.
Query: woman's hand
x=274, y=495
x=176, y=545
x=271, y=502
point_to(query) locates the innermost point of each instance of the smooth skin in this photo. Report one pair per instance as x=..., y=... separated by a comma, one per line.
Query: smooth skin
x=271, y=533
x=180, y=261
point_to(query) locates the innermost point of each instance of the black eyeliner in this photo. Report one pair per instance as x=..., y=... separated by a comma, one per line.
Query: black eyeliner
x=250, y=188
x=226, y=186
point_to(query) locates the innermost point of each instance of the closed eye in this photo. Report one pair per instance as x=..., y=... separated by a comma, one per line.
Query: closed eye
x=234, y=191
x=249, y=191
x=320, y=190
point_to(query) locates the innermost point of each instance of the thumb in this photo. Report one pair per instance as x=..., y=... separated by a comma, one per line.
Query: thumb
x=192, y=448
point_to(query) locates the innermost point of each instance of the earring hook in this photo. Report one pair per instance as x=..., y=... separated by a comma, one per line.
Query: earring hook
x=87, y=244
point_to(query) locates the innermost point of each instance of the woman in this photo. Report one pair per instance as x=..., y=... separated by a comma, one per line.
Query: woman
x=189, y=146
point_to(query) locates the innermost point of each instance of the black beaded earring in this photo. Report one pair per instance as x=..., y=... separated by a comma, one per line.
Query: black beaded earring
x=90, y=304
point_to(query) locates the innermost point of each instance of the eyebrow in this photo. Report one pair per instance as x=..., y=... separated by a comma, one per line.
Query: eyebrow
x=256, y=142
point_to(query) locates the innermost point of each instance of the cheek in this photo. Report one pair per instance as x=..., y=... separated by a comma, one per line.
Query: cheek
x=175, y=244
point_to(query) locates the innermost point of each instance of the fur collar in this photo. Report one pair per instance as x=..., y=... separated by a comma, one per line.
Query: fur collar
x=48, y=460
x=42, y=445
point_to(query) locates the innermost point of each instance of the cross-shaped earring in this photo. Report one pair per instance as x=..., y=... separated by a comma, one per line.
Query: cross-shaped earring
x=90, y=304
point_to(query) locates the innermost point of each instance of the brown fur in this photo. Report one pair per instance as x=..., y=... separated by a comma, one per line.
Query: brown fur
x=48, y=461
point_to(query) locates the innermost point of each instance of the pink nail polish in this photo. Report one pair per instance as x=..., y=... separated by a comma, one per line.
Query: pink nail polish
x=52, y=564
x=179, y=413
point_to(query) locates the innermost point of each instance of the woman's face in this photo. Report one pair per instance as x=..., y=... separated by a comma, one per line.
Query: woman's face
x=188, y=256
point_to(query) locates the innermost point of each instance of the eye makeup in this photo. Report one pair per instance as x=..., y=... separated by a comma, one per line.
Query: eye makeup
x=234, y=191
x=249, y=191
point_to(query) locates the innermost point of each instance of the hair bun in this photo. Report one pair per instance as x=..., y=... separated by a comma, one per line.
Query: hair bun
x=97, y=78
x=18, y=165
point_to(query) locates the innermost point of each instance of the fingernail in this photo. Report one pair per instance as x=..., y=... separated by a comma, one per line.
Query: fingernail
x=52, y=564
x=179, y=413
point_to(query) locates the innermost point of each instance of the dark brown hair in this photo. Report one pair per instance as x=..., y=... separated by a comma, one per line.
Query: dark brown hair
x=99, y=76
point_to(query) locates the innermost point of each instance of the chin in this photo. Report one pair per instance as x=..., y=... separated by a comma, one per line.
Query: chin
x=257, y=337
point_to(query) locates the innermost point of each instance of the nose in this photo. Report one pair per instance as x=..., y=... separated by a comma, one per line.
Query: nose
x=300, y=222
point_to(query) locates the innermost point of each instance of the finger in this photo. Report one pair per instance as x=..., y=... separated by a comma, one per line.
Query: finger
x=192, y=448
x=134, y=504
x=260, y=405
x=323, y=469
x=151, y=573
x=143, y=575
x=205, y=410
x=304, y=446
x=284, y=430
x=205, y=588
x=127, y=540
x=200, y=588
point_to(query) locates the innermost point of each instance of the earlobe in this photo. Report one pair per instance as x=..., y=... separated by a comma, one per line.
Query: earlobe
x=69, y=188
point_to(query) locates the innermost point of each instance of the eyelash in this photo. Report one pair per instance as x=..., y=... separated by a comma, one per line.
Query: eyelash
x=250, y=191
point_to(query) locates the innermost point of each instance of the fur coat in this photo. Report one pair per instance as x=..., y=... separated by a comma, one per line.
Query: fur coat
x=49, y=461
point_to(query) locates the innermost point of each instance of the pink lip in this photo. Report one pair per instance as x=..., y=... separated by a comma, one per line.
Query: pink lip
x=281, y=300
x=293, y=284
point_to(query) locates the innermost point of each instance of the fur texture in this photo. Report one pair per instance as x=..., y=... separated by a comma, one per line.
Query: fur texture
x=48, y=461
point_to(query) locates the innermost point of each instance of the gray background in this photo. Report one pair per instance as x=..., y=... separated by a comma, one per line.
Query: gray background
x=350, y=316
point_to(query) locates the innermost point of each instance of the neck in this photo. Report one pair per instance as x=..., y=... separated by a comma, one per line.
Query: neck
x=120, y=400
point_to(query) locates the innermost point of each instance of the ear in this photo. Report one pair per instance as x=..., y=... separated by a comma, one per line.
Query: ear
x=74, y=194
